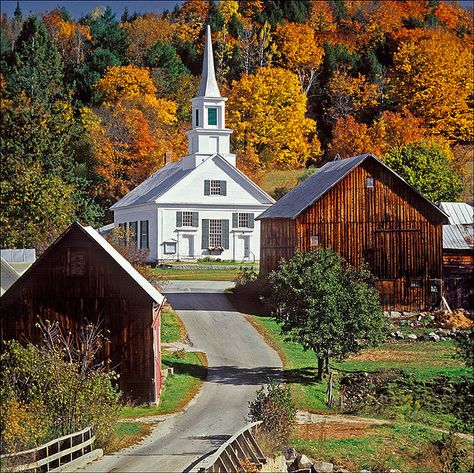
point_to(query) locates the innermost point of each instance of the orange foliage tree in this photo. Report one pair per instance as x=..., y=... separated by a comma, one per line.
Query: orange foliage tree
x=130, y=131
x=191, y=19
x=143, y=33
x=433, y=78
x=300, y=52
x=267, y=113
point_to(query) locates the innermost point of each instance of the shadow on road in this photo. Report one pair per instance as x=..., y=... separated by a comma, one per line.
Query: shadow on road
x=237, y=376
x=200, y=301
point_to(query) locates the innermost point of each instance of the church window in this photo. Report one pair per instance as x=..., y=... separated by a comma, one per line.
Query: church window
x=217, y=187
x=144, y=244
x=212, y=116
x=215, y=233
x=197, y=117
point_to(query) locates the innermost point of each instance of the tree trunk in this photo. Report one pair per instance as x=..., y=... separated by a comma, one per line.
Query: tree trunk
x=319, y=376
x=328, y=364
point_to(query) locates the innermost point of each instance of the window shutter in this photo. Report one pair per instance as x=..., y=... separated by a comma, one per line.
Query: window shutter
x=207, y=187
x=223, y=187
x=225, y=234
x=195, y=219
x=251, y=221
x=205, y=233
x=179, y=219
x=235, y=220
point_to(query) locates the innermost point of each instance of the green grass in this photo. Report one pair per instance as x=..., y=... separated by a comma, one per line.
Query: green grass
x=189, y=374
x=405, y=446
x=198, y=274
x=126, y=434
x=172, y=329
x=423, y=359
x=216, y=263
x=286, y=178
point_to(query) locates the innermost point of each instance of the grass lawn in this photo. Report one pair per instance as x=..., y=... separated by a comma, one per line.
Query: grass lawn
x=286, y=178
x=127, y=434
x=189, y=374
x=172, y=328
x=423, y=359
x=198, y=274
x=407, y=447
x=216, y=263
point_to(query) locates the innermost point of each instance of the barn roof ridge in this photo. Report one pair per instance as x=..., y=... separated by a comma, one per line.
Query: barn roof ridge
x=321, y=182
x=110, y=250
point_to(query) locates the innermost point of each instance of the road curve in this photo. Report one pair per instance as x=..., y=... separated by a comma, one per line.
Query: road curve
x=239, y=362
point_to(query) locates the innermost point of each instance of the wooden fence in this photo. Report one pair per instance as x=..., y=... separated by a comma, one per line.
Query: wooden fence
x=240, y=450
x=52, y=455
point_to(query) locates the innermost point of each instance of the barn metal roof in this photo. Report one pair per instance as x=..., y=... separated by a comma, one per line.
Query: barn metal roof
x=132, y=272
x=458, y=212
x=458, y=237
x=156, y=185
x=315, y=186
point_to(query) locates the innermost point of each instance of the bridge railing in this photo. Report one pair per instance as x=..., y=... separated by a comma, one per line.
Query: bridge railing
x=52, y=455
x=241, y=449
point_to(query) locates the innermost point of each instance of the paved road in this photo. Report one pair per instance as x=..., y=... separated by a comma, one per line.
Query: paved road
x=239, y=361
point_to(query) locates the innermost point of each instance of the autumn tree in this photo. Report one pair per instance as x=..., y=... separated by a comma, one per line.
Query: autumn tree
x=429, y=167
x=433, y=77
x=142, y=33
x=267, y=114
x=300, y=52
x=130, y=131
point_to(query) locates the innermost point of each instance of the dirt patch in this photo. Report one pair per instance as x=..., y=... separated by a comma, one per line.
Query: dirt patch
x=388, y=355
x=457, y=319
x=333, y=430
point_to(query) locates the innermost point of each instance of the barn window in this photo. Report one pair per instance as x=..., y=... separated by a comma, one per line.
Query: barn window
x=369, y=182
x=77, y=262
x=212, y=116
x=416, y=283
x=314, y=240
x=144, y=241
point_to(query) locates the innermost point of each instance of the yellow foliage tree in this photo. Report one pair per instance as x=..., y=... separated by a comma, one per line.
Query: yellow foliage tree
x=433, y=78
x=144, y=32
x=125, y=81
x=190, y=20
x=267, y=113
x=300, y=52
x=350, y=95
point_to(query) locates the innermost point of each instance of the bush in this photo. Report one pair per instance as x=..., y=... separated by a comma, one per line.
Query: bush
x=55, y=389
x=273, y=406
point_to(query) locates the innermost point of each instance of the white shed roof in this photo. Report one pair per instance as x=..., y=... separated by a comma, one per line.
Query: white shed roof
x=459, y=213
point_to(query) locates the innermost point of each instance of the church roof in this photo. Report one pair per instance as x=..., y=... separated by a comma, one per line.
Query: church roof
x=153, y=187
x=317, y=185
x=208, y=85
x=168, y=176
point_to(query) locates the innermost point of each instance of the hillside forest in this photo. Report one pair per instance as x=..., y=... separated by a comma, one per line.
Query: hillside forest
x=90, y=107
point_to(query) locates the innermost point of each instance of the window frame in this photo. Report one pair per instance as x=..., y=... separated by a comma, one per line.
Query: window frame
x=215, y=233
x=243, y=220
x=187, y=218
x=144, y=224
x=215, y=187
x=214, y=116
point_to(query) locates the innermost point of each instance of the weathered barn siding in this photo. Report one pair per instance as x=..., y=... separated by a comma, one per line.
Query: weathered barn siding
x=458, y=278
x=390, y=227
x=76, y=281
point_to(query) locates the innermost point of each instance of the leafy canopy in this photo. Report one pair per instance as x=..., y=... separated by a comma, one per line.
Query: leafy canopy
x=326, y=305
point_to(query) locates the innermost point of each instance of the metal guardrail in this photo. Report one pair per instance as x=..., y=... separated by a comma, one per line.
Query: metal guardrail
x=52, y=455
x=241, y=448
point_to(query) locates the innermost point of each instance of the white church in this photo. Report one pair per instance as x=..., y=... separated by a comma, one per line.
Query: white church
x=201, y=205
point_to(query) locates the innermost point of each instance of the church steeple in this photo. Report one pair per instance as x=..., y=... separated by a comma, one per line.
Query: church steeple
x=208, y=85
x=208, y=135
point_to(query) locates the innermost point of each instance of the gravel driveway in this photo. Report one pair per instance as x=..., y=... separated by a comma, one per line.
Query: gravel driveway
x=239, y=362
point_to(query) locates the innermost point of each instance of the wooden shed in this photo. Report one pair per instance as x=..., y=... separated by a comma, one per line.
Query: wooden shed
x=82, y=277
x=367, y=213
x=458, y=255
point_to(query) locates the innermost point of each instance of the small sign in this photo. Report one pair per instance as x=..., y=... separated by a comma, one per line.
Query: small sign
x=77, y=263
x=314, y=240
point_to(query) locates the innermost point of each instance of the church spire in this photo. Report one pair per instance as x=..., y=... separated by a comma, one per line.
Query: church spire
x=208, y=86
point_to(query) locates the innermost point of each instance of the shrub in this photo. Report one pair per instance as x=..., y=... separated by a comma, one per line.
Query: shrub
x=273, y=406
x=57, y=388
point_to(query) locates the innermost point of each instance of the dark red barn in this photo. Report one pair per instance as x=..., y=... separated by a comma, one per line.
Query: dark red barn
x=82, y=277
x=367, y=213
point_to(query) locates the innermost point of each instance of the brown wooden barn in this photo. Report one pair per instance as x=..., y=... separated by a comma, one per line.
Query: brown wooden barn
x=367, y=213
x=458, y=255
x=82, y=277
